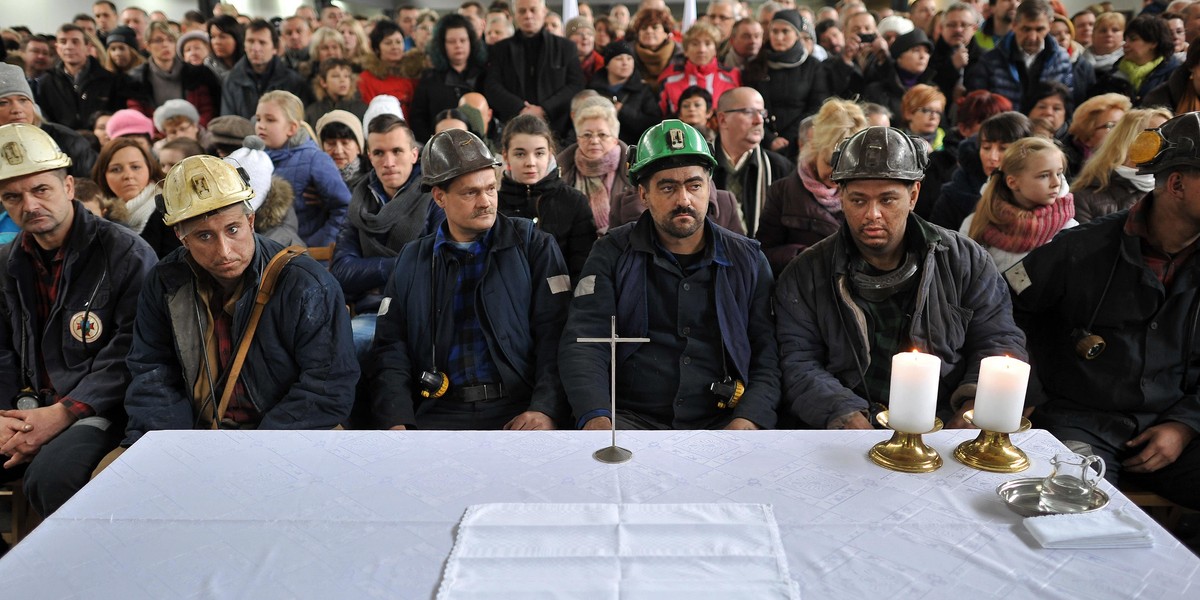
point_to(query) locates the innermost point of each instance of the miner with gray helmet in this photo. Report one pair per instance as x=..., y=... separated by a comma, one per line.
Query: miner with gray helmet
x=467, y=335
x=69, y=283
x=699, y=292
x=886, y=282
x=217, y=298
x=1111, y=314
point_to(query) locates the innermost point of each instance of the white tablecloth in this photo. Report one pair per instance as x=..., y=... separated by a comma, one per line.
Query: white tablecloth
x=365, y=514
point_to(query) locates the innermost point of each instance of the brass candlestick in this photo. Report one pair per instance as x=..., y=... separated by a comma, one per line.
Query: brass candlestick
x=992, y=450
x=906, y=452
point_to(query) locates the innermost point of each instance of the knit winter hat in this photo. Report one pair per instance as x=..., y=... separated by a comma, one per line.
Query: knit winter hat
x=229, y=129
x=129, y=122
x=187, y=37
x=345, y=118
x=13, y=82
x=578, y=23
x=253, y=158
x=909, y=41
x=617, y=48
x=123, y=34
x=894, y=24
x=175, y=107
x=381, y=105
x=791, y=17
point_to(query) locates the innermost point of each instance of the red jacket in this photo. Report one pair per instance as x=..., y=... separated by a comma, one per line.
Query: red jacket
x=402, y=88
x=713, y=77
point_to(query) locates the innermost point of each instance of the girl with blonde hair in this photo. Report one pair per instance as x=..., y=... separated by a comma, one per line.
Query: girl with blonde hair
x=1025, y=202
x=1109, y=181
x=321, y=196
x=805, y=207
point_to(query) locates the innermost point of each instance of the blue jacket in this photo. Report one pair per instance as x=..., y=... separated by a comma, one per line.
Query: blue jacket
x=1001, y=70
x=614, y=282
x=962, y=315
x=102, y=276
x=300, y=371
x=960, y=195
x=321, y=195
x=521, y=301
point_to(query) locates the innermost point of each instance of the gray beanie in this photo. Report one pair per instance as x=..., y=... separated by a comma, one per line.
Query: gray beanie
x=13, y=82
x=187, y=37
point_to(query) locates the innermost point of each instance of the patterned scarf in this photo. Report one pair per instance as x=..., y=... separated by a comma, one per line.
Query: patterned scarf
x=1021, y=230
x=595, y=179
x=823, y=194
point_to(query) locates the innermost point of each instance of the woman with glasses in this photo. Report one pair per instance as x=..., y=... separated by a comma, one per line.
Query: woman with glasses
x=166, y=77
x=595, y=164
x=788, y=78
x=531, y=188
x=1109, y=181
x=1090, y=125
x=923, y=108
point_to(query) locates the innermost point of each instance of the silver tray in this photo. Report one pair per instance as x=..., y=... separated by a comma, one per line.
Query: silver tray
x=1023, y=496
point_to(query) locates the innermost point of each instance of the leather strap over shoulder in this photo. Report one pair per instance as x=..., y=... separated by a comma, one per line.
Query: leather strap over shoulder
x=266, y=287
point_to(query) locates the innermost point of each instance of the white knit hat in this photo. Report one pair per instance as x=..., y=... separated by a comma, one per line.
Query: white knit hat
x=381, y=105
x=253, y=158
x=175, y=107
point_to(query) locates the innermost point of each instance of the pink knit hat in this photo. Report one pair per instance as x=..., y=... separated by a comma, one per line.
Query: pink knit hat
x=129, y=122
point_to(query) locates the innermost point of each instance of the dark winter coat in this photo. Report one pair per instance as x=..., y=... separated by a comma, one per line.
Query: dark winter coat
x=558, y=209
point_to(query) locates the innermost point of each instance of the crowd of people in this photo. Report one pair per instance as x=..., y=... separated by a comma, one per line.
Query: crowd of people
x=778, y=200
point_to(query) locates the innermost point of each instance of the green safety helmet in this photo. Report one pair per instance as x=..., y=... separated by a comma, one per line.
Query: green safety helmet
x=668, y=145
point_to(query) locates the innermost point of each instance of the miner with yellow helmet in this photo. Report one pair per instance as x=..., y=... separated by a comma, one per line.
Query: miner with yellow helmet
x=69, y=284
x=217, y=299
x=699, y=292
x=1111, y=312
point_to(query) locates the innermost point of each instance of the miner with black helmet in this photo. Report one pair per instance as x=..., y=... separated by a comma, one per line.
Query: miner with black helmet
x=69, y=283
x=699, y=292
x=1111, y=311
x=468, y=328
x=886, y=282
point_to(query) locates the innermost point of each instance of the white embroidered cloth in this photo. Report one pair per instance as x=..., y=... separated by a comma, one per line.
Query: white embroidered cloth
x=611, y=551
x=1100, y=529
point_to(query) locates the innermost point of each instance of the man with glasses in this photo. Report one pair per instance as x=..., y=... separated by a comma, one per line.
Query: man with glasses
x=744, y=167
x=700, y=293
x=723, y=14
x=955, y=49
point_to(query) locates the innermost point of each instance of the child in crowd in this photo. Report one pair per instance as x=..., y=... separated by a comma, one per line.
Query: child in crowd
x=336, y=88
x=1025, y=202
x=321, y=196
x=174, y=151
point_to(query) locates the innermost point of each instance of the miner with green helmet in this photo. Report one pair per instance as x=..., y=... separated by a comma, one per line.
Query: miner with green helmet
x=698, y=291
x=69, y=283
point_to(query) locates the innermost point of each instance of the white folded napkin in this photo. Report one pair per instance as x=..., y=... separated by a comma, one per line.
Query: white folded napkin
x=1099, y=529
x=628, y=551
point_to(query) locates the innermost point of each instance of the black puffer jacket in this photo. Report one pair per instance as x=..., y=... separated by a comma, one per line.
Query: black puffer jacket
x=558, y=209
x=790, y=93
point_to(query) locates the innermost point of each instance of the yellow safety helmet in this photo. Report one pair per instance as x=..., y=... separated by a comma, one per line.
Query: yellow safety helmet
x=201, y=184
x=26, y=149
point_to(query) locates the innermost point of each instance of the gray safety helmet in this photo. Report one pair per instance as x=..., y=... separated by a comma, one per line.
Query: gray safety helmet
x=880, y=153
x=452, y=153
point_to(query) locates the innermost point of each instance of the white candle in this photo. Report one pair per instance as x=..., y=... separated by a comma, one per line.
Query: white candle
x=1000, y=397
x=913, y=397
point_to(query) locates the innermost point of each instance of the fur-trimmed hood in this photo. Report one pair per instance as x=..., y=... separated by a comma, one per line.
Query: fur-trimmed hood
x=275, y=207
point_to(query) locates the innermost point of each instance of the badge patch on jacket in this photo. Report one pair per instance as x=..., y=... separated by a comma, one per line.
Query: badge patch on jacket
x=1017, y=278
x=586, y=286
x=85, y=326
x=559, y=284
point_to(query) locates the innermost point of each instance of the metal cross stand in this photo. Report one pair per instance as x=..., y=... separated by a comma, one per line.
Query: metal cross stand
x=613, y=454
